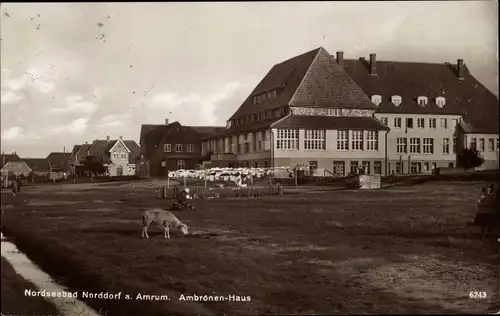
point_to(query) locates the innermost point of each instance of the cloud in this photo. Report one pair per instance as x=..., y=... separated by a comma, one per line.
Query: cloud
x=76, y=104
x=13, y=133
x=9, y=97
x=196, y=108
x=78, y=127
x=114, y=120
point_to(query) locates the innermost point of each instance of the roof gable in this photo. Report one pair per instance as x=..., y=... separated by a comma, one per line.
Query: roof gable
x=38, y=164
x=327, y=84
x=411, y=80
x=4, y=158
x=284, y=77
x=58, y=159
x=116, y=143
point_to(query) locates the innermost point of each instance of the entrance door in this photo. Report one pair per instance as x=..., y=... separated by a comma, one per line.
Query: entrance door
x=119, y=171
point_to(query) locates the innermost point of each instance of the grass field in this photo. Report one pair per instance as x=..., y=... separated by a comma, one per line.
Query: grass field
x=396, y=250
x=13, y=300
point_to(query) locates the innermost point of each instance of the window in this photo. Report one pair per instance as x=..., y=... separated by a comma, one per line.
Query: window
x=415, y=168
x=343, y=140
x=432, y=123
x=339, y=168
x=446, y=146
x=123, y=156
x=357, y=140
x=181, y=164
x=396, y=100
x=314, y=139
x=178, y=148
x=313, y=165
x=366, y=167
x=426, y=166
x=422, y=101
x=454, y=145
x=115, y=155
x=454, y=123
x=376, y=99
x=273, y=93
x=451, y=165
x=481, y=144
x=190, y=148
x=473, y=143
x=491, y=144
x=163, y=163
x=440, y=101
x=409, y=122
x=377, y=167
x=415, y=145
x=397, y=122
x=399, y=170
x=421, y=123
x=384, y=120
x=354, y=167
x=443, y=123
x=372, y=140
x=428, y=146
x=401, y=145
x=167, y=148
x=334, y=112
x=288, y=139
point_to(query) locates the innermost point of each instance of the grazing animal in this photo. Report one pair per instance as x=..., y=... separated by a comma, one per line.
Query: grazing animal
x=162, y=218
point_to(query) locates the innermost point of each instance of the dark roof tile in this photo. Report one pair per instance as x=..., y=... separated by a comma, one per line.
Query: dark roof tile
x=410, y=80
x=38, y=164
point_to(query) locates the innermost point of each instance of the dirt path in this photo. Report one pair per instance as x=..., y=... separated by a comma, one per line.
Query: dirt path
x=29, y=271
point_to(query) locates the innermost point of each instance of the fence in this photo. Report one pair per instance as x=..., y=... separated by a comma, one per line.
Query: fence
x=200, y=192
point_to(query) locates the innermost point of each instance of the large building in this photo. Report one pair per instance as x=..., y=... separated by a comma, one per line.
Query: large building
x=336, y=115
x=171, y=146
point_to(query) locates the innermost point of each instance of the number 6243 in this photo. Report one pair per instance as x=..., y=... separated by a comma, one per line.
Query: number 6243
x=477, y=295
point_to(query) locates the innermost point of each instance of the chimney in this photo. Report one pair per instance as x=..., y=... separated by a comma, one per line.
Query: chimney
x=166, y=121
x=86, y=143
x=460, y=69
x=121, y=137
x=373, y=64
x=107, y=138
x=340, y=58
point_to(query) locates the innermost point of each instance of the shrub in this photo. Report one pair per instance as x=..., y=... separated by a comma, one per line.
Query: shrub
x=470, y=158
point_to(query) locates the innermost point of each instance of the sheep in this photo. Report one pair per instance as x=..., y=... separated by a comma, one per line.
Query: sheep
x=162, y=218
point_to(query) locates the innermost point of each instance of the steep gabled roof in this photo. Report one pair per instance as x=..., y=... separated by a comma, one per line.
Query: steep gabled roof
x=5, y=158
x=285, y=77
x=146, y=128
x=410, y=80
x=207, y=130
x=171, y=132
x=100, y=148
x=58, y=160
x=75, y=150
x=309, y=79
x=38, y=164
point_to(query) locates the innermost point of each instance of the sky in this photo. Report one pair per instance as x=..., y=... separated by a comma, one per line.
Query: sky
x=76, y=72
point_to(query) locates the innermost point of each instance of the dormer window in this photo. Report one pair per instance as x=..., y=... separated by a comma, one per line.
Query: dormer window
x=228, y=124
x=396, y=100
x=376, y=99
x=440, y=101
x=422, y=101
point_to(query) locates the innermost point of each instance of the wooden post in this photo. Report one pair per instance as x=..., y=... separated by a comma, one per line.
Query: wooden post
x=168, y=182
x=184, y=181
x=159, y=192
x=253, y=188
x=205, y=178
x=175, y=192
x=296, y=176
x=270, y=190
x=197, y=192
